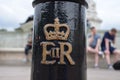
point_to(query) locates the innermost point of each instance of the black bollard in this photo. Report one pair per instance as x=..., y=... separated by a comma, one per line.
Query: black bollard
x=59, y=45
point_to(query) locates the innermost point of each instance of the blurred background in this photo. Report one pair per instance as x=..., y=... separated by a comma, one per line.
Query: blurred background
x=16, y=20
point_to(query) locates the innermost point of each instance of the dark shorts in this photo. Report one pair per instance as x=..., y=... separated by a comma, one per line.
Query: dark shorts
x=93, y=47
x=111, y=49
x=27, y=48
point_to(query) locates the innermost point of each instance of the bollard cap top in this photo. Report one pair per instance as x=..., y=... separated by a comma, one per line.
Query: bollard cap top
x=83, y=2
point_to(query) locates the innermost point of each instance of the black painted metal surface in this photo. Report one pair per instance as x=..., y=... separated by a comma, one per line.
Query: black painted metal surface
x=73, y=15
x=83, y=2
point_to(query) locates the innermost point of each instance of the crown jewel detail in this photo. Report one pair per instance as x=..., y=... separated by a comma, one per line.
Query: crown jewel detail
x=57, y=33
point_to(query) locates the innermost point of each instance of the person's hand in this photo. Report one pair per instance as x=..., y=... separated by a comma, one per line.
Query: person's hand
x=97, y=50
x=107, y=51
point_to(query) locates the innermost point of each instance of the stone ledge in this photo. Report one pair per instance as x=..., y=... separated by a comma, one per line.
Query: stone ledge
x=11, y=49
x=102, y=61
x=17, y=54
x=11, y=54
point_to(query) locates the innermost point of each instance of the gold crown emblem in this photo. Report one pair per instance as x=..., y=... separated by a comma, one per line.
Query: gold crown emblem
x=56, y=31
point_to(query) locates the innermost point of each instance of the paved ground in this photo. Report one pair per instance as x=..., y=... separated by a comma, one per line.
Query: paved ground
x=23, y=73
x=103, y=74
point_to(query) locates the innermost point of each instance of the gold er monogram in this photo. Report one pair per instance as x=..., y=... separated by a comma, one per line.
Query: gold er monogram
x=56, y=34
x=56, y=52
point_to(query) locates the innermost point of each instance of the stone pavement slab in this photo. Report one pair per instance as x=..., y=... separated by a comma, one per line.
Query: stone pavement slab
x=103, y=74
x=14, y=73
x=24, y=72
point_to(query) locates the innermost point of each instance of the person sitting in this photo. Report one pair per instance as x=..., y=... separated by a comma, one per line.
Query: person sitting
x=94, y=45
x=107, y=48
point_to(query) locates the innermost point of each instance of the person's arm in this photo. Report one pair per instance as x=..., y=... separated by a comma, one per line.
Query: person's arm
x=106, y=38
x=107, y=43
x=90, y=39
x=114, y=39
x=98, y=43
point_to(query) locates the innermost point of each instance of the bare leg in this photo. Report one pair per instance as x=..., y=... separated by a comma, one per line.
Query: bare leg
x=27, y=58
x=97, y=52
x=108, y=58
x=96, y=59
x=27, y=49
x=117, y=55
x=91, y=50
